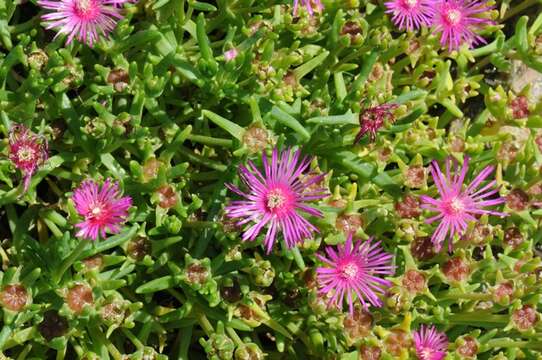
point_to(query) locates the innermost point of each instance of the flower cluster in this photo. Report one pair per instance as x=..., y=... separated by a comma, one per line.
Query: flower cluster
x=456, y=20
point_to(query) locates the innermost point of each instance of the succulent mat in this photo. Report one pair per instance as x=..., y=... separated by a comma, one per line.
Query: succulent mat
x=242, y=179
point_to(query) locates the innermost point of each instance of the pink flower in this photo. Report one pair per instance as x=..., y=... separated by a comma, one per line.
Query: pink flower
x=84, y=20
x=457, y=206
x=430, y=343
x=457, y=20
x=372, y=119
x=308, y=4
x=27, y=151
x=354, y=270
x=410, y=14
x=103, y=208
x=275, y=198
x=230, y=54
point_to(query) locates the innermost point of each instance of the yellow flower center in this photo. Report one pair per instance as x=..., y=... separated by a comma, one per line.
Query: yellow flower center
x=25, y=153
x=275, y=199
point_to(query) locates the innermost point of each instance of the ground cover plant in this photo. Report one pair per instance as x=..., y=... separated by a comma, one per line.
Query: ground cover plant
x=244, y=179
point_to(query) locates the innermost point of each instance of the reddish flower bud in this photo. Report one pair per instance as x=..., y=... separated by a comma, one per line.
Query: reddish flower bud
x=367, y=352
x=351, y=28
x=358, y=324
x=349, y=223
x=520, y=107
x=422, y=248
x=78, y=297
x=468, y=347
x=196, y=274
x=167, y=196
x=14, y=297
x=513, y=237
x=414, y=176
x=408, y=207
x=525, y=318
x=414, y=281
x=517, y=200
x=456, y=269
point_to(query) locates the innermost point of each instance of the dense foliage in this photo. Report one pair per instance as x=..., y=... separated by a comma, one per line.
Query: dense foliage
x=154, y=137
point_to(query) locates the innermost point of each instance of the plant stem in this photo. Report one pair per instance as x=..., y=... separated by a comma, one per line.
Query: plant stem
x=70, y=260
x=518, y=8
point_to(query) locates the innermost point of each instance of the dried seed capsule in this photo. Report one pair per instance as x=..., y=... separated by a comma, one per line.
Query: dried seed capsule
x=408, y=207
x=119, y=78
x=167, y=196
x=397, y=341
x=520, y=107
x=249, y=351
x=256, y=139
x=503, y=291
x=367, y=352
x=456, y=269
x=525, y=318
x=359, y=324
x=414, y=281
x=517, y=200
x=349, y=223
x=150, y=169
x=422, y=248
x=513, y=237
x=414, y=176
x=93, y=262
x=14, y=297
x=467, y=347
x=138, y=248
x=78, y=297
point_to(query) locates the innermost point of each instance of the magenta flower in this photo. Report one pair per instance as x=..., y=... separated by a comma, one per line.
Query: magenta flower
x=430, y=344
x=85, y=20
x=308, y=4
x=274, y=199
x=372, y=119
x=103, y=208
x=355, y=270
x=410, y=14
x=457, y=20
x=230, y=54
x=457, y=206
x=27, y=151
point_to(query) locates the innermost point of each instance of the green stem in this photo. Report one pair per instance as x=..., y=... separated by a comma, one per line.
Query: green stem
x=465, y=296
x=204, y=323
x=231, y=332
x=478, y=318
x=70, y=260
x=133, y=338
x=506, y=343
x=518, y=8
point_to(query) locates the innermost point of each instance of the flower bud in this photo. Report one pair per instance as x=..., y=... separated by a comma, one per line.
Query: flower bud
x=14, y=297
x=93, y=262
x=38, y=59
x=249, y=351
x=112, y=313
x=219, y=346
x=79, y=297
x=262, y=273
x=167, y=197
x=138, y=248
x=397, y=342
x=358, y=324
x=503, y=293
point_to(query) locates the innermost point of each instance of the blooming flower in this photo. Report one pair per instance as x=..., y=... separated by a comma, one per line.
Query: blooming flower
x=308, y=4
x=27, y=151
x=430, y=344
x=84, y=20
x=456, y=205
x=276, y=198
x=372, y=119
x=410, y=14
x=355, y=269
x=103, y=208
x=457, y=20
x=230, y=54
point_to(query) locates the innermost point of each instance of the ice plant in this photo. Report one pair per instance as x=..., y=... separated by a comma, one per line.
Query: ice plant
x=410, y=14
x=372, y=119
x=102, y=208
x=430, y=343
x=230, y=54
x=457, y=21
x=458, y=205
x=85, y=20
x=355, y=270
x=308, y=4
x=276, y=198
x=27, y=151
